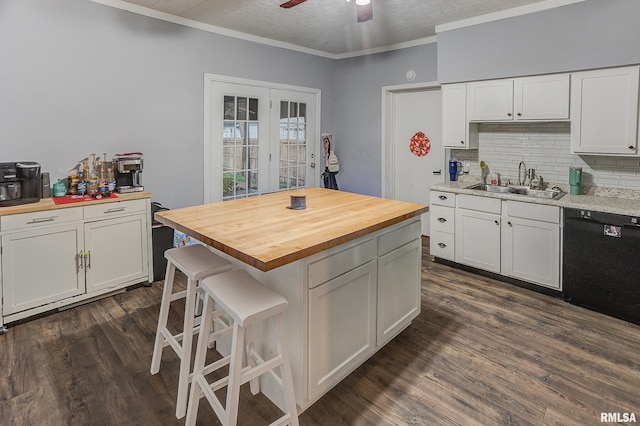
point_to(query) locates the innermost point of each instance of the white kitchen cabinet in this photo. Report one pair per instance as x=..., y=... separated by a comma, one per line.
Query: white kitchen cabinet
x=604, y=112
x=442, y=224
x=41, y=266
x=536, y=98
x=398, y=290
x=342, y=326
x=490, y=100
x=59, y=257
x=543, y=97
x=359, y=298
x=117, y=252
x=477, y=232
x=531, y=243
x=457, y=132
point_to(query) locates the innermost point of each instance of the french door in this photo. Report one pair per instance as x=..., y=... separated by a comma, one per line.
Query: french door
x=258, y=138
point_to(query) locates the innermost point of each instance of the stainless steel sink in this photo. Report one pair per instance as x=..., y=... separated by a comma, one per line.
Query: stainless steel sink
x=549, y=194
x=493, y=188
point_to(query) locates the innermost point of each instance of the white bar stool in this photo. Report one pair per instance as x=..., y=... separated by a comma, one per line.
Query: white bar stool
x=196, y=262
x=246, y=301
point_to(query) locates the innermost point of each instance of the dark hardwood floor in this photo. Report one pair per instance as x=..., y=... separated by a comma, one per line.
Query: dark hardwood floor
x=481, y=352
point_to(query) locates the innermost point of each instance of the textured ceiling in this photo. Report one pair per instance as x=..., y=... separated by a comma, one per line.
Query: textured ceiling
x=330, y=26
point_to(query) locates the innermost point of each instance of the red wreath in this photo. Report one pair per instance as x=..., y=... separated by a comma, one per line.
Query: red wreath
x=420, y=144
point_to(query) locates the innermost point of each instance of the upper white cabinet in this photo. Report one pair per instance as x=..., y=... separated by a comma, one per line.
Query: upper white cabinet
x=541, y=98
x=456, y=131
x=604, y=115
x=490, y=100
x=537, y=98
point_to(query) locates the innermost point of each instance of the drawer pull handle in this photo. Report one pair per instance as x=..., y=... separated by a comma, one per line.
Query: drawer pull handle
x=119, y=209
x=442, y=245
x=442, y=197
x=42, y=219
x=442, y=220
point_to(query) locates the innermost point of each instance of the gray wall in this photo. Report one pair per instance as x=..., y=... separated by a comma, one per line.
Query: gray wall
x=590, y=34
x=79, y=77
x=358, y=110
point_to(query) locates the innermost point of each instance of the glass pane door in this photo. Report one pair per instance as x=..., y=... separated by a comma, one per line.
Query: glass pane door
x=240, y=147
x=293, y=145
x=292, y=139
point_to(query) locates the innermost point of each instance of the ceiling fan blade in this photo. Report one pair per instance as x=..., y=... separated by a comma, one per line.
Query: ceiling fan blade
x=289, y=4
x=364, y=12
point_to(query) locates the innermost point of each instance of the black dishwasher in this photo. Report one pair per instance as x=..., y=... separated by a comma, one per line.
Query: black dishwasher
x=601, y=262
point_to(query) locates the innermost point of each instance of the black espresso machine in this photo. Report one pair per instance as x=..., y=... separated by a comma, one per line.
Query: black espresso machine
x=20, y=183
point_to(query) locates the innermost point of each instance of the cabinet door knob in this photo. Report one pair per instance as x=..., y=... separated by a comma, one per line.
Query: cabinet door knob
x=631, y=147
x=509, y=223
x=497, y=223
x=519, y=115
x=508, y=114
x=442, y=220
x=462, y=142
x=442, y=245
x=443, y=197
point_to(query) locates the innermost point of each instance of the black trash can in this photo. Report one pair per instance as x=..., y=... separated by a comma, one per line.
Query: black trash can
x=161, y=240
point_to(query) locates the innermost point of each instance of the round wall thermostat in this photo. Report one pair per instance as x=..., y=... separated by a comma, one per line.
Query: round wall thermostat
x=411, y=74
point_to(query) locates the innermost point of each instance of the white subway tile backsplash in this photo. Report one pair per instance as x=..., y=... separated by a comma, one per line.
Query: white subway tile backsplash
x=545, y=148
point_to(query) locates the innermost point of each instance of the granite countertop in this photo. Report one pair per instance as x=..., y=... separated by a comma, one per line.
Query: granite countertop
x=604, y=200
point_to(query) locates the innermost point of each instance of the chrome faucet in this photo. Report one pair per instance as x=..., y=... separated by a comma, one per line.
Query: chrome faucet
x=522, y=179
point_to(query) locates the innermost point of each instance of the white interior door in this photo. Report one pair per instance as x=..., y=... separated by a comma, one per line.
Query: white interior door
x=411, y=175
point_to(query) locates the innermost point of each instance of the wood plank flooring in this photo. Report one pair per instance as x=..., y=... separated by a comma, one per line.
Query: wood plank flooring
x=482, y=352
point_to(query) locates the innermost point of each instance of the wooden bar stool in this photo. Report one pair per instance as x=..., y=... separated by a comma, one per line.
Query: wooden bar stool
x=245, y=300
x=196, y=262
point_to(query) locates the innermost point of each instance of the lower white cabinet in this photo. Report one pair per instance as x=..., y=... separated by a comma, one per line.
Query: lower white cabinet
x=342, y=326
x=398, y=289
x=512, y=238
x=477, y=232
x=59, y=257
x=41, y=266
x=117, y=250
x=360, y=297
x=442, y=224
x=531, y=243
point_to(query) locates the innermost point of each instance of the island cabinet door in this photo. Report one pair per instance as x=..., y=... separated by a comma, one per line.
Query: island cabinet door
x=398, y=290
x=342, y=326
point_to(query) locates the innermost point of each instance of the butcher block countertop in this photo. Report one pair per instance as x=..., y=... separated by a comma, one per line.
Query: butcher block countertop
x=263, y=232
x=48, y=203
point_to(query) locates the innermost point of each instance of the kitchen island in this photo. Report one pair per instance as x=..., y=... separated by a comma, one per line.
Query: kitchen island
x=348, y=264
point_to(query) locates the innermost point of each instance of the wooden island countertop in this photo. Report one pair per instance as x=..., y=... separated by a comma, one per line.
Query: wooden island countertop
x=264, y=233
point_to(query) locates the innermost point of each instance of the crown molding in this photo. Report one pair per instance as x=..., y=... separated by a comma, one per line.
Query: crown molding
x=509, y=13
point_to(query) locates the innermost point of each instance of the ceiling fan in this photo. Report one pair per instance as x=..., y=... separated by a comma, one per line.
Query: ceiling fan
x=364, y=8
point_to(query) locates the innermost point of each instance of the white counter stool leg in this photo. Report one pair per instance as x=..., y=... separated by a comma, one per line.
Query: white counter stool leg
x=196, y=262
x=246, y=301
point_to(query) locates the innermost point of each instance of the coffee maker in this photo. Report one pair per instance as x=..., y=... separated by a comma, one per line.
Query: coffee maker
x=20, y=183
x=128, y=170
